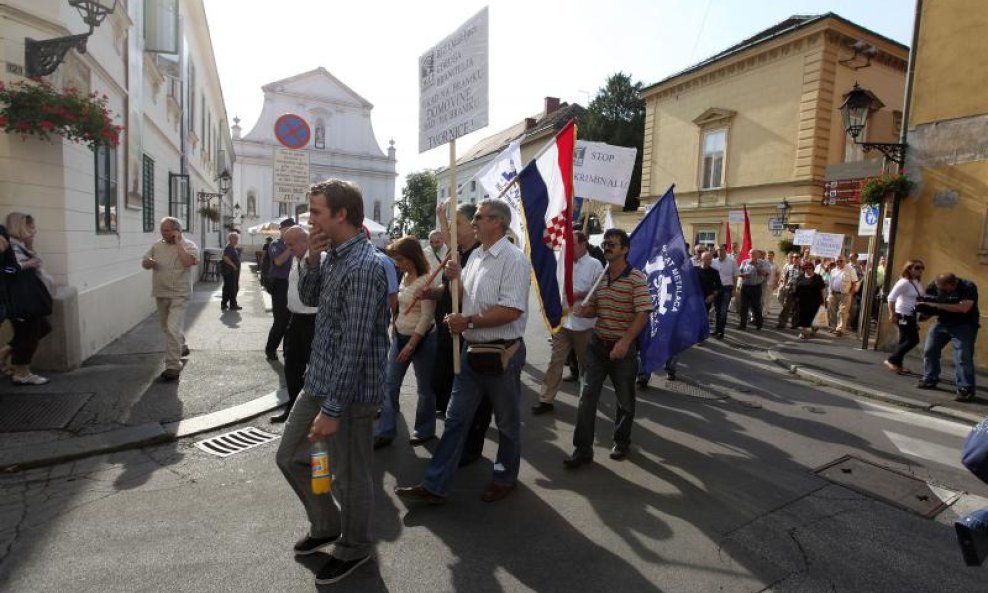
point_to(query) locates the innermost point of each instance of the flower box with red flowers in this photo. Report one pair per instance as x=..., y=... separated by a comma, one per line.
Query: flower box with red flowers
x=37, y=108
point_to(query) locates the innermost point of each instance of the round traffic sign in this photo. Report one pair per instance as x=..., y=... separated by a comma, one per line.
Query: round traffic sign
x=292, y=131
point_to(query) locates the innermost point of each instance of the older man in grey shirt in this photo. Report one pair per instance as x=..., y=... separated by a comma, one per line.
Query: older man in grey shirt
x=495, y=309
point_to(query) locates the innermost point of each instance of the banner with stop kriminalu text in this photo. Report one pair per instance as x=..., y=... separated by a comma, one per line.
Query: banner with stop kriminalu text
x=453, y=85
x=602, y=172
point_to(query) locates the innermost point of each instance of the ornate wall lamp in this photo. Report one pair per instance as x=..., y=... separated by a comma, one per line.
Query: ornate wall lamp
x=41, y=58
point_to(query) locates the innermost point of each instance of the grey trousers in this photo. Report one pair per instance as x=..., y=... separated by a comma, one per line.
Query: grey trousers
x=348, y=510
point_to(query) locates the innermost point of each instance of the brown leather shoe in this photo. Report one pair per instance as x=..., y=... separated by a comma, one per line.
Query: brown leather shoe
x=418, y=492
x=496, y=492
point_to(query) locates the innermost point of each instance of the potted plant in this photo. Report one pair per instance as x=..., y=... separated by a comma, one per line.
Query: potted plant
x=209, y=213
x=36, y=108
x=785, y=246
x=876, y=188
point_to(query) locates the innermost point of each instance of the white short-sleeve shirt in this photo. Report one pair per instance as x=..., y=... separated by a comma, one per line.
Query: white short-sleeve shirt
x=500, y=275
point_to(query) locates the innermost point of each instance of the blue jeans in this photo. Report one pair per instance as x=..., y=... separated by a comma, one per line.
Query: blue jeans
x=425, y=411
x=622, y=373
x=962, y=338
x=723, y=303
x=504, y=392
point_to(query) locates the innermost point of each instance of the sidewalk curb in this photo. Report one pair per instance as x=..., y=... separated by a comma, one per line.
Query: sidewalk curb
x=821, y=378
x=134, y=437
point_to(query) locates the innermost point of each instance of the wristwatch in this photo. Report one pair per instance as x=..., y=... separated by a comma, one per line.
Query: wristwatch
x=470, y=322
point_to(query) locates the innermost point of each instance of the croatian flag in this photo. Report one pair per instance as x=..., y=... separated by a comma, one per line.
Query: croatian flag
x=679, y=314
x=547, y=197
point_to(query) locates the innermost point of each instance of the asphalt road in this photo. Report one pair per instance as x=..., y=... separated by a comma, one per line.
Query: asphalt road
x=719, y=494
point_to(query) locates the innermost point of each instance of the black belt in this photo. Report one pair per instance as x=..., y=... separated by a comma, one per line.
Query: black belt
x=498, y=342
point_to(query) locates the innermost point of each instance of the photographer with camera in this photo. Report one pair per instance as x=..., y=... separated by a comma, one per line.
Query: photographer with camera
x=954, y=301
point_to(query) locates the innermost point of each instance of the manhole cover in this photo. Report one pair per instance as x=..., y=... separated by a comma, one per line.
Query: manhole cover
x=21, y=412
x=235, y=441
x=891, y=486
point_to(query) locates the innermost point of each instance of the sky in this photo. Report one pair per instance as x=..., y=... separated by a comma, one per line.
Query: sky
x=538, y=48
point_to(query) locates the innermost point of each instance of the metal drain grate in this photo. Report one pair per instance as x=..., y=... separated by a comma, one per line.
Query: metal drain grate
x=236, y=441
x=894, y=487
x=691, y=390
x=39, y=411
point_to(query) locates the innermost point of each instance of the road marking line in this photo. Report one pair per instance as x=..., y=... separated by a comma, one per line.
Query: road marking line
x=940, y=425
x=949, y=456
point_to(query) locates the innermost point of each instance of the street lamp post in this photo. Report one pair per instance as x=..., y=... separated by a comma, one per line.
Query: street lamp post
x=205, y=198
x=858, y=104
x=781, y=221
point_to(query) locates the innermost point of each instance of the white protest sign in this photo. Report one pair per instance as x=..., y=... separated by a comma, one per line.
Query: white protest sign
x=804, y=237
x=453, y=85
x=602, y=172
x=827, y=245
x=735, y=216
x=291, y=175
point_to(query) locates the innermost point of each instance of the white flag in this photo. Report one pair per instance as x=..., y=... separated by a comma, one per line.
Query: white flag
x=496, y=176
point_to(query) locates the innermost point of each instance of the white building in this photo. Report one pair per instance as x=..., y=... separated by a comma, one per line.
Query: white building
x=97, y=212
x=340, y=143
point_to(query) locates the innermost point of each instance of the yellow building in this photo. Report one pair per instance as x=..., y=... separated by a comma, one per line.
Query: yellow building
x=759, y=123
x=945, y=220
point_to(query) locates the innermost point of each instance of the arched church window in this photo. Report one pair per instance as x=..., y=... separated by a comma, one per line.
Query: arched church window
x=320, y=138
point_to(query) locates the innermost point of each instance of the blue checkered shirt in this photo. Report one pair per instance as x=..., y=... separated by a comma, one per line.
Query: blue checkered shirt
x=350, y=347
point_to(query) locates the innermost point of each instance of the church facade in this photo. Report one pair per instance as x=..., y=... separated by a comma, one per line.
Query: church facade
x=336, y=136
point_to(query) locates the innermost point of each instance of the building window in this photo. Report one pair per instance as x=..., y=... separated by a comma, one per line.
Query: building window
x=473, y=185
x=106, y=189
x=377, y=210
x=708, y=238
x=282, y=208
x=251, y=204
x=180, y=199
x=320, y=141
x=712, y=173
x=148, y=206
x=897, y=123
x=192, y=98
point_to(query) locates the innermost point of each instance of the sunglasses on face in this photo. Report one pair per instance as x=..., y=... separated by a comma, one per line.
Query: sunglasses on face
x=919, y=267
x=611, y=244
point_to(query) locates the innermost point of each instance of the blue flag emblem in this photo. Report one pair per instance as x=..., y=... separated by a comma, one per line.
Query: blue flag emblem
x=679, y=314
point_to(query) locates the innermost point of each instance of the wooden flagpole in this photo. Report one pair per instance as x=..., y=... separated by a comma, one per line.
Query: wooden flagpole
x=454, y=285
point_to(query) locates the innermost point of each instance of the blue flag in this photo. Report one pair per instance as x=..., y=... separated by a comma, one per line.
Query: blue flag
x=679, y=314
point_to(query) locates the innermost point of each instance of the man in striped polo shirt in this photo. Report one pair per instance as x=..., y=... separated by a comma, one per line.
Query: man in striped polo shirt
x=621, y=304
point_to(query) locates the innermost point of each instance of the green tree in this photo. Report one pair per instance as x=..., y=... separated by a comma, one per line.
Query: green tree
x=417, y=206
x=616, y=115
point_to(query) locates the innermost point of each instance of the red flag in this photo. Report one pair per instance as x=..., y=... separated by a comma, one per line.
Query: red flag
x=746, y=239
x=727, y=225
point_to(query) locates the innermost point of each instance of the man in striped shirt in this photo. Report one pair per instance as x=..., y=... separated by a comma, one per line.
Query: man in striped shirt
x=621, y=304
x=495, y=288
x=344, y=380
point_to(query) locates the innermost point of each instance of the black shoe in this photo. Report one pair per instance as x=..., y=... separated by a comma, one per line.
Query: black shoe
x=335, y=569
x=577, y=460
x=169, y=375
x=381, y=442
x=619, y=452
x=642, y=383
x=670, y=375
x=571, y=378
x=222, y=307
x=964, y=395
x=271, y=354
x=927, y=385
x=309, y=545
x=719, y=335
x=185, y=351
x=283, y=417
x=542, y=408
x=417, y=440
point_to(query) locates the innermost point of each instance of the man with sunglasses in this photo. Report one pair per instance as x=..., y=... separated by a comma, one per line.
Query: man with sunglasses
x=621, y=304
x=494, y=288
x=955, y=303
